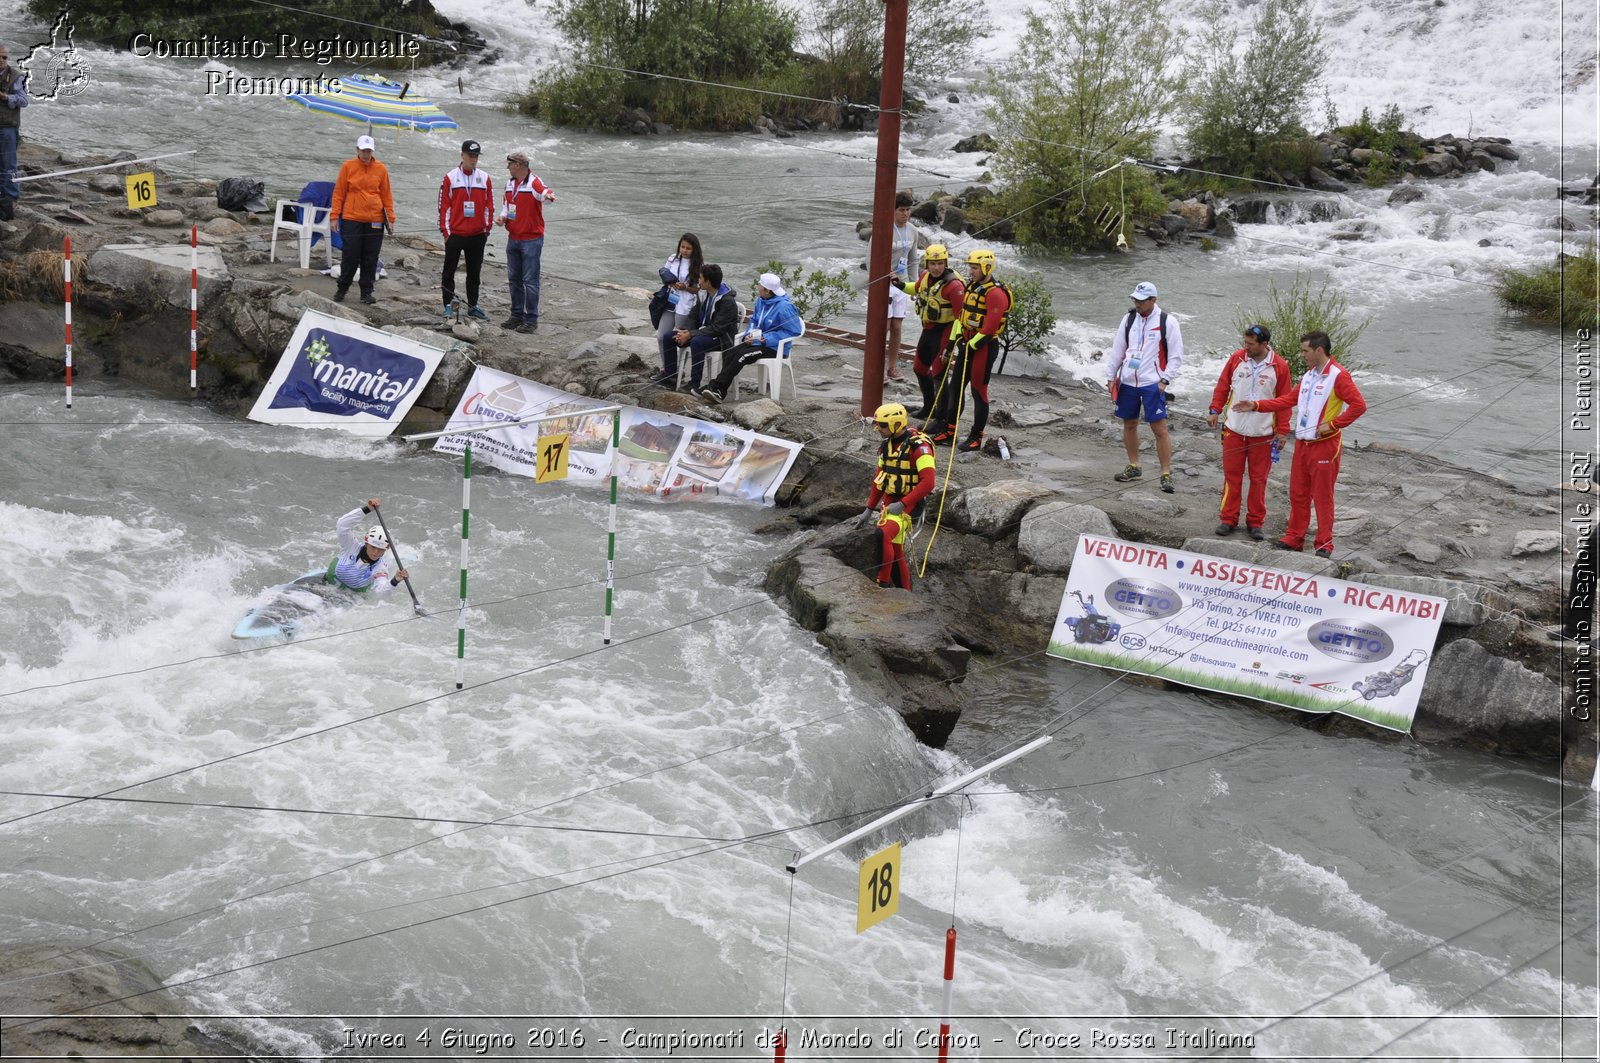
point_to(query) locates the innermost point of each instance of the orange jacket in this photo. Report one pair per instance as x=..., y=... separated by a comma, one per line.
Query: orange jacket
x=362, y=193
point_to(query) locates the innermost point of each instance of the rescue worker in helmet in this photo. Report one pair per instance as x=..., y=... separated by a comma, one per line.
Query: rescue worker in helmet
x=974, y=350
x=938, y=293
x=905, y=478
x=362, y=562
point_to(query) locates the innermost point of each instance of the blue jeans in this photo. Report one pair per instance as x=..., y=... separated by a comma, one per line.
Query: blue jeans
x=9, y=189
x=522, y=269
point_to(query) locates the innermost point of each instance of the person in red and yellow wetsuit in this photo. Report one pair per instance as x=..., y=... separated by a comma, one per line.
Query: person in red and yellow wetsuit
x=1327, y=403
x=938, y=294
x=904, y=479
x=983, y=316
x=1249, y=440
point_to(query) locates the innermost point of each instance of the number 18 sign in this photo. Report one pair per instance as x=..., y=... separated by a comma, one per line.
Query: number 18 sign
x=878, y=895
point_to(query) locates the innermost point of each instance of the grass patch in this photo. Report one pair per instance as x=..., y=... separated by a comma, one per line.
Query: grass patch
x=1255, y=690
x=34, y=275
x=1564, y=293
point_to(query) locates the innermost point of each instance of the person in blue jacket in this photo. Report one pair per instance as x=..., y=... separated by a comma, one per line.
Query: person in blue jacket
x=773, y=320
x=361, y=564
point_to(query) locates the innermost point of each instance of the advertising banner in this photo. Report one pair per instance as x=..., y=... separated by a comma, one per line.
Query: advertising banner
x=344, y=375
x=1289, y=638
x=667, y=455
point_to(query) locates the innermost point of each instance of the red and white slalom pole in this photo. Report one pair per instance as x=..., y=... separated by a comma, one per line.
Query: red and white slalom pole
x=949, y=993
x=194, y=304
x=66, y=265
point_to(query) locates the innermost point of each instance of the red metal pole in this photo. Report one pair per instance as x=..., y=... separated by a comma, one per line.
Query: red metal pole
x=949, y=986
x=890, y=97
x=194, y=303
x=66, y=266
x=780, y=1046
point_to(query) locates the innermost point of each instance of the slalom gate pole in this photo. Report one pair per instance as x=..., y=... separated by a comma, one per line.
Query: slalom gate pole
x=194, y=303
x=66, y=266
x=949, y=989
x=611, y=526
x=461, y=610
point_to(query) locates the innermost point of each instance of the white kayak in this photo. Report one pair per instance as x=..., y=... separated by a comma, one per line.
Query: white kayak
x=289, y=606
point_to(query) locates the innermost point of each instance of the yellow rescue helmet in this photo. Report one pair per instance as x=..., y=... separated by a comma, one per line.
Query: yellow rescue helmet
x=893, y=416
x=936, y=253
x=983, y=259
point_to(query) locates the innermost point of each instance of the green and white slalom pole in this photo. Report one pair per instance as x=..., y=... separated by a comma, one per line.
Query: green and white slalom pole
x=461, y=609
x=611, y=523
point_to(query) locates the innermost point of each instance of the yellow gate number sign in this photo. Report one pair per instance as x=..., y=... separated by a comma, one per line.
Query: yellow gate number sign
x=552, y=459
x=141, y=190
x=878, y=896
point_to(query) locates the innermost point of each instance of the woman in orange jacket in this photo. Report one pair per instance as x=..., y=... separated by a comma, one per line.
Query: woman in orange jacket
x=363, y=206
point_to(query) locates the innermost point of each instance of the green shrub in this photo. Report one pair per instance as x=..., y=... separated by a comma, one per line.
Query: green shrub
x=818, y=296
x=1090, y=84
x=1032, y=318
x=1564, y=293
x=1243, y=112
x=1304, y=307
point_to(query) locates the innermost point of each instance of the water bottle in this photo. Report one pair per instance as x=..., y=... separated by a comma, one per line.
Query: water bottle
x=1276, y=450
x=1005, y=451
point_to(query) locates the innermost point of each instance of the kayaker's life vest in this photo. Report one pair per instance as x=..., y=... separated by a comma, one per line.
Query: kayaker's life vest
x=341, y=570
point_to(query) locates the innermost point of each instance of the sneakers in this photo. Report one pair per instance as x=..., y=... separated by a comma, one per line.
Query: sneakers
x=1281, y=545
x=1324, y=552
x=711, y=395
x=973, y=443
x=370, y=299
x=893, y=374
x=1166, y=483
x=1257, y=534
x=1130, y=473
x=473, y=311
x=663, y=378
x=511, y=324
x=528, y=326
x=448, y=314
x=1226, y=529
x=339, y=295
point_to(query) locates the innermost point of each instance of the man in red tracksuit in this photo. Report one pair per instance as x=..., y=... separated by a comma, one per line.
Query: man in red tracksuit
x=466, y=215
x=1327, y=403
x=1255, y=371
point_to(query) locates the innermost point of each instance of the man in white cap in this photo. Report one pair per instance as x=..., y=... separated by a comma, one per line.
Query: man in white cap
x=363, y=207
x=772, y=320
x=1145, y=355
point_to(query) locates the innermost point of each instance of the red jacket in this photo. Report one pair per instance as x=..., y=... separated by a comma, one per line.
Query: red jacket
x=1222, y=399
x=1339, y=411
x=526, y=202
x=466, y=203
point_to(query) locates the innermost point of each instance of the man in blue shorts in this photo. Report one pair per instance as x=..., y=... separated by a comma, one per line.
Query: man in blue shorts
x=1145, y=355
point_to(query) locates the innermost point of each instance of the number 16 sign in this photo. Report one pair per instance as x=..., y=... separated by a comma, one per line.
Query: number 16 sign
x=878, y=895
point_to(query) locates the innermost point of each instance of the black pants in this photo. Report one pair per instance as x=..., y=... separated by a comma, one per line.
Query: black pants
x=362, y=242
x=453, y=248
x=735, y=359
x=972, y=365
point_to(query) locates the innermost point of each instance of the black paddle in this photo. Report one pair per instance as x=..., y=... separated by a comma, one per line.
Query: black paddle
x=393, y=546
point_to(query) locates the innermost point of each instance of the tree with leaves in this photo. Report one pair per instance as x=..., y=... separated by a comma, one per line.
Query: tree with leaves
x=1090, y=84
x=1247, y=100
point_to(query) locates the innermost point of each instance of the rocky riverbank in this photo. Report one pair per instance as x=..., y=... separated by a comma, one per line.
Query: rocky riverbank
x=1495, y=549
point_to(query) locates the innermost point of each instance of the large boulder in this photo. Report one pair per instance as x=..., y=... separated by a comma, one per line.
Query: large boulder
x=994, y=509
x=899, y=642
x=291, y=305
x=1474, y=697
x=757, y=414
x=1049, y=534
x=1470, y=603
x=152, y=274
x=976, y=142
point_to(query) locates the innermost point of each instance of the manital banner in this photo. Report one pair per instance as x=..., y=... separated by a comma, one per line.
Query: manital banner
x=1289, y=638
x=663, y=454
x=340, y=374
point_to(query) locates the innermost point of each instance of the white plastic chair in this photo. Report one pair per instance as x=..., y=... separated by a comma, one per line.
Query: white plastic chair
x=771, y=369
x=313, y=219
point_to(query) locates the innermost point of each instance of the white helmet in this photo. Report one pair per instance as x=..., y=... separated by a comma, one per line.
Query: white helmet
x=376, y=538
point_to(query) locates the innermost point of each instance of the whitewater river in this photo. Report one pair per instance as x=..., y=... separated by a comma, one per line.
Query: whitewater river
x=588, y=836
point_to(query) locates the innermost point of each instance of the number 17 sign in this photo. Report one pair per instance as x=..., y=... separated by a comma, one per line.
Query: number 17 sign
x=878, y=895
